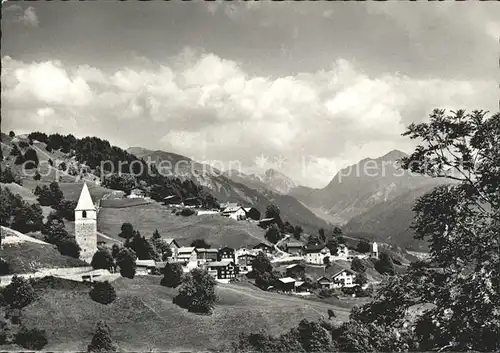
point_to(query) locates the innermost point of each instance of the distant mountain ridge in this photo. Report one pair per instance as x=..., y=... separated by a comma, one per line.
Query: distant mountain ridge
x=234, y=189
x=271, y=180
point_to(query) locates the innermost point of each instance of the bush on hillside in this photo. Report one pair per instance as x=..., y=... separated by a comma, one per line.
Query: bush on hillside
x=101, y=341
x=37, y=176
x=200, y=244
x=143, y=248
x=103, y=292
x=7, y=176
x=357, y=265
x=69, y=247
x=18, y=214
x=18, y=293
x=23, y=144
x=126, y=231
x=186, y=212
x=273, y=234
x=4, y=267
x=12, y=134
x=363, y=246
x=31, y=338
x=39, y=136
x=66, y=209
x=125, y=259
x=30, y=158
x=172, y=275
x=102, y=259
x=384, y=265
x=49, y=196
x=197, y=292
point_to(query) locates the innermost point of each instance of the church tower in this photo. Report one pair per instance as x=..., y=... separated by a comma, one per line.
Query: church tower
x=86, y=225
x=375, y=250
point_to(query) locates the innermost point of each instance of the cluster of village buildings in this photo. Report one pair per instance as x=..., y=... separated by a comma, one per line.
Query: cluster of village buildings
x=227, y=263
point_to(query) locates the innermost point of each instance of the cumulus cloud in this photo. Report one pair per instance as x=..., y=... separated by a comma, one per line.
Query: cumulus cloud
x=27, y=17
x=211, y=108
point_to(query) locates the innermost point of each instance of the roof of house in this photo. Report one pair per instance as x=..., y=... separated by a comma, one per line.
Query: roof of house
x=294, y=244
x=294, y=265
x=222, y=263
x=226, y=247
x=299, y=283
x=186, y=249
x=323, y=279
x=247, y=254
x=145, y=263
x=267, y=219
x=314, y=248
x=346, y=270
x=170, y=241
x=287, y=280
x=263, y=243
x=85, y=200
x=207, y=250
x=170, y=197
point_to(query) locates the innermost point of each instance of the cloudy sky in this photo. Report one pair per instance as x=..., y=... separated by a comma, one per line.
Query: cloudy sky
x=311, y=87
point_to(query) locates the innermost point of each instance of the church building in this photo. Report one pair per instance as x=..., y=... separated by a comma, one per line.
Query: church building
x=86, y=225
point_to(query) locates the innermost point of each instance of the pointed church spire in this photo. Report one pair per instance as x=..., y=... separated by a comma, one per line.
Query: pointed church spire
x=85, y=201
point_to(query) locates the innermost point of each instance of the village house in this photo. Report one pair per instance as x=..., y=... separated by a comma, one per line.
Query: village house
x=144, y=267
x=316, y=253
x=286, y=284
x=172, y=200
x=223, y=271
x=294, y=248
x=234, y=212
x=344, y=278
x=374, y=252
x=252, y=213
x=206, y=255
x=244, y=262
x=264, y=247
x=187, y=254
x=295, y=271
x=136, y=194
x=324, y=283
x=301, y=286
x=226, y=253
x=174, y=246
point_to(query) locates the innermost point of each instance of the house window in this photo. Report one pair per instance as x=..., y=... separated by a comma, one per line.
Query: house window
x=84, y=214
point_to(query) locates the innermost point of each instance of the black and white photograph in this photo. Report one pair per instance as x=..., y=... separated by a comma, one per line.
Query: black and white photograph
x=250, y=176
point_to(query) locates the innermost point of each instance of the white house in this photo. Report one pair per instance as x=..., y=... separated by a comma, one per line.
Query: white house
x=235, y=212
x=374, y=252
x=174, y=247
x=188, y=256
x=344, y=278
x=316, y=253
x=137, y=194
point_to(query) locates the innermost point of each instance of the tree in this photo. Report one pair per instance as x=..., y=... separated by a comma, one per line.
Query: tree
x=4, y=266
x=56, y=192
x=102, y=342
x=261, y=263
x=331, y=314
x=31, y=159
x=69, y=247
x=37, y=176
x=54, y=229
x=18, y=293
x=363, y=246
x=32, y=339
x=143, y=248
x=337, y=232
x=384, y=265
x=62, y=166
x=272, y=211
x=200, y=244
x=273, y=234
x=357, y=265
x=12, y=134
x=66, y=209
x=360, y=279
x=322, y=235
x=297, y=232
x=266, y=279
x=172, y=275
x=326, y=261
x=103, y=292
x=333, y=245
x=125, y=259
x=127, y=231
x=461, y=221
x=314, y=337
x=161, y=245
x=197, y=292
x=102, y=259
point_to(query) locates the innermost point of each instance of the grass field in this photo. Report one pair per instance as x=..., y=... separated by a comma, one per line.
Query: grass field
x=71, y=191
x=23, y=191
x=144, y=317
x=215, y=229
x=29, y=257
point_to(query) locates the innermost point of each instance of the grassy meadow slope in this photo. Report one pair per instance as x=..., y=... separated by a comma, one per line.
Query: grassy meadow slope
x=215, y=229
x=28, y=257
x=143, y=316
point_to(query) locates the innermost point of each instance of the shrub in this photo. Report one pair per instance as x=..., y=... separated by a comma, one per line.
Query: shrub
x=326, y=293
x=37, y=176
x=31, y=338
x=102, y=259
x=19, y=293
x=69, y=247
x=197, y=292
x=200, y=243
x=357, y=265
x=384, y=265
x=4, y=267
x=172, y=275
x=125, y=259
x=186, y=212
x=101, y=341
x=103, y=292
